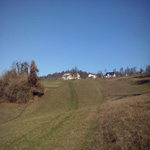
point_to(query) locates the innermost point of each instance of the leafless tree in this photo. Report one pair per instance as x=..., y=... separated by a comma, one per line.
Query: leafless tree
x=141, y=70
x=20, y=67
x=148, y=69
x=122, y=71
x=127, y=71
x=114, y=70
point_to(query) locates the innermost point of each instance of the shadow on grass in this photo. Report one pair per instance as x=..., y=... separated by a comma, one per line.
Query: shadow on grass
x=123, y=96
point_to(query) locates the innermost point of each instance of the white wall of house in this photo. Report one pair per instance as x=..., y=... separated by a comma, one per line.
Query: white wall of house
x=92, y=76
x=68, y=76
x=110, y=76
x=78, y=76
x=114, y=75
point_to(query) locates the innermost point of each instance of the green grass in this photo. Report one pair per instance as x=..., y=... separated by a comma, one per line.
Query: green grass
x=67, y=116
x=51, y=84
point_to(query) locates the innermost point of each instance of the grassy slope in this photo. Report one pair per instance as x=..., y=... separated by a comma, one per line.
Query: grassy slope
x=67, y=117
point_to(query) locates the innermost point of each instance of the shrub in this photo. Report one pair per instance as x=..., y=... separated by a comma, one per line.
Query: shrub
x=17, y=87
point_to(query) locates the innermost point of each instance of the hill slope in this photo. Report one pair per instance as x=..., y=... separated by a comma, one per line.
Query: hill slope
x=69, y=115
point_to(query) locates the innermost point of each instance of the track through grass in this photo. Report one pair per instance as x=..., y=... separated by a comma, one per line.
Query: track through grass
x=74, y=97
x=66, y=117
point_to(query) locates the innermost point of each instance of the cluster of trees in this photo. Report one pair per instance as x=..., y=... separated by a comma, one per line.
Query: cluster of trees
x=130, y=71
x=133, y=70
x=17, y=85
x=58, y=75
x=83, y=74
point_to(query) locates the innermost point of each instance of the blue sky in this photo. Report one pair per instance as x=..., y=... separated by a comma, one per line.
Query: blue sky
x=60, y=34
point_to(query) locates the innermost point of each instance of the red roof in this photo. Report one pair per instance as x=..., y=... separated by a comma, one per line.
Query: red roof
x=93, y=74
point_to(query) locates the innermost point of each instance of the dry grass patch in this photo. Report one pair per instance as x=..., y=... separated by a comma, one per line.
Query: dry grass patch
x=124, y=125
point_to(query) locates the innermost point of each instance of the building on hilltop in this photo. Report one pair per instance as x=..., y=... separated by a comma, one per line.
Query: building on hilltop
x=77, y=76
x=110, y=75
x=69, y=76
x=92, y=75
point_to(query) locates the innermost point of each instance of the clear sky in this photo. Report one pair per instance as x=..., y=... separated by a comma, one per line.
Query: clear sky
x=60, y=34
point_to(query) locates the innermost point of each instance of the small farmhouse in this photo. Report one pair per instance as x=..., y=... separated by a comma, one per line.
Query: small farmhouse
x=110, y=75
x=69, y=76
x=92, y=75
x=77, y=76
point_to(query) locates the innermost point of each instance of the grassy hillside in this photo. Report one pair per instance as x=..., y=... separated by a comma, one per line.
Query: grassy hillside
x=79, y=114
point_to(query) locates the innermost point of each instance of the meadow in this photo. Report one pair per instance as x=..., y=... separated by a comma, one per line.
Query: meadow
x=94, y=114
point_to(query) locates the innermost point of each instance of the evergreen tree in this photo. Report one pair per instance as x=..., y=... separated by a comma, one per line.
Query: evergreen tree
x=33, y=78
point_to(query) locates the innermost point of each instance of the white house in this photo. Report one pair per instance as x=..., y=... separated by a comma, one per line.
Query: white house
x=110, y=75
x=77, y=76
x=92, y=75
x=69, y=76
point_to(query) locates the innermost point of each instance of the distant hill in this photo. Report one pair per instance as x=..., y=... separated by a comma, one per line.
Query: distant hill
x=58, y=75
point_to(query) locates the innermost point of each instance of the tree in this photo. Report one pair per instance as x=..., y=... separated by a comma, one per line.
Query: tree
x=114, y=70
x=33, y=79
x=141, y=70
x=133, y=70
x=20, y=67
x=121, y=71
x=99, y=74
x=127, y=71
x=148, y=69
x=74, y=70
x=83, y=74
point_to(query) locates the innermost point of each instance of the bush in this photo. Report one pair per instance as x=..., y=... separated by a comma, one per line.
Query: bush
x=15, y=87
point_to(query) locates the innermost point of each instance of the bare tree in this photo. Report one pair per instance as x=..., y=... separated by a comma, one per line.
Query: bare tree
x=100, y=74
x=20, y=67
x=122, y=71
x=133, y=70
x=127, y=71
x=114, y=70
x=141, y=70
x=16, y=66
x=148, y=69
x=74, y=70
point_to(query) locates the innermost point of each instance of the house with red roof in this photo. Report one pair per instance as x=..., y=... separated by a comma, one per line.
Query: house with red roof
x=92, y=75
